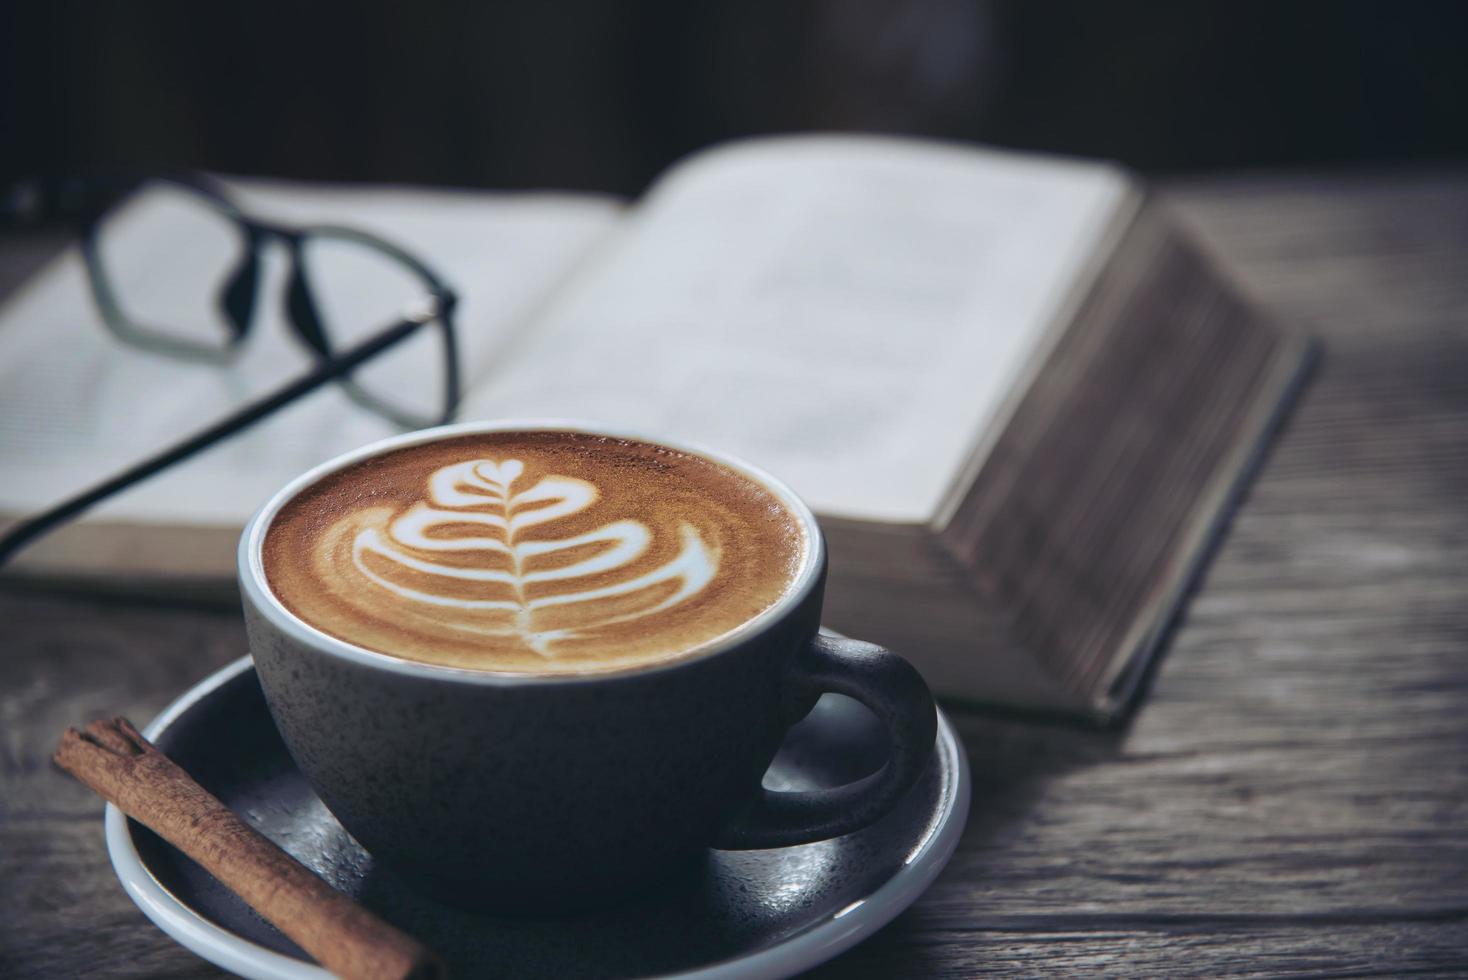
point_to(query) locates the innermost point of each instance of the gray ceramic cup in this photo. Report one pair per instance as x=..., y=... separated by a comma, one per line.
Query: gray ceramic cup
x=533, y=793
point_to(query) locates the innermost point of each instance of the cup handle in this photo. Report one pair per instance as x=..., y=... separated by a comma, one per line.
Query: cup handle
x=897, y=694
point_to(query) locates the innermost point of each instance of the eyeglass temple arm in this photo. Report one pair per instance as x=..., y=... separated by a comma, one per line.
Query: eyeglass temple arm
x=31, y=528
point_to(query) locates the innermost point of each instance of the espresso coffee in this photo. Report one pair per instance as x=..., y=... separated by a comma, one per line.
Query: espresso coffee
x=539, y=552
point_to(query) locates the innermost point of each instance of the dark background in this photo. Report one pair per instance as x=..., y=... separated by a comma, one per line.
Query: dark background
x=604, y=95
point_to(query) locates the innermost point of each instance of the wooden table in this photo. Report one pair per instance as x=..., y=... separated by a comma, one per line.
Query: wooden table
x=1293, y=798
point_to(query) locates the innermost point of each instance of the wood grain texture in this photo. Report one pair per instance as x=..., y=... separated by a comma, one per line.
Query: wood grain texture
x=1292, y=798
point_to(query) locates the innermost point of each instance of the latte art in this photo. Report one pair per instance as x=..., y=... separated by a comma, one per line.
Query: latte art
x=539, y=552
x=513, y=575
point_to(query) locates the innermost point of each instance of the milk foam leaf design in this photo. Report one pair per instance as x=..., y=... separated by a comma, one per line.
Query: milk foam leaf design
x=480, y=496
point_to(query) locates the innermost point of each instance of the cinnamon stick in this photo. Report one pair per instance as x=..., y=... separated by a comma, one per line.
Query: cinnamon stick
x=126, y=769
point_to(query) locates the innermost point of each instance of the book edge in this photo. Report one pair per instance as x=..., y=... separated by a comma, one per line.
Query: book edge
x=1129, y=208
x=1120, y=685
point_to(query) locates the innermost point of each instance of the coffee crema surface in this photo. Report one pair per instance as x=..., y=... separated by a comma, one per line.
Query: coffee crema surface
x=533, y=552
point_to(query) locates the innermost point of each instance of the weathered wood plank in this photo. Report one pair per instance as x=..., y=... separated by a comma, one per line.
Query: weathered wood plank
x=1325, y=948
x=64, y=661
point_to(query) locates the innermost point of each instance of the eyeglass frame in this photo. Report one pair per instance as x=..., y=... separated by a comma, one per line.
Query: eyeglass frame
x=240, y=298
x=331, y=366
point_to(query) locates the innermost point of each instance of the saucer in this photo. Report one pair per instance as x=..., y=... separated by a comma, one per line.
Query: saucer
x=744, y=914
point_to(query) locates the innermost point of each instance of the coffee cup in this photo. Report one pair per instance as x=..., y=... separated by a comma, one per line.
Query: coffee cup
x=535, y=666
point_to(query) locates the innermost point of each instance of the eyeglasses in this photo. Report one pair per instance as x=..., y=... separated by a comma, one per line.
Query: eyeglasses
x=350, y=297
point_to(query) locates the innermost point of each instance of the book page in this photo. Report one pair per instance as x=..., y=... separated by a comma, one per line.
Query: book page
x=77, y=405
x=849, y=313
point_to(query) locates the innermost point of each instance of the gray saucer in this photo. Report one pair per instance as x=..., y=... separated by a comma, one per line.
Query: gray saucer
x=742, y=914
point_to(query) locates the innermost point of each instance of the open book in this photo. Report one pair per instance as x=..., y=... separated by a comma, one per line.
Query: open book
x=1018, y=399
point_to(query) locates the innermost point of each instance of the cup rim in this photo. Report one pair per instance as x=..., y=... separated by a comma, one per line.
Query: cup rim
x=257, y=592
